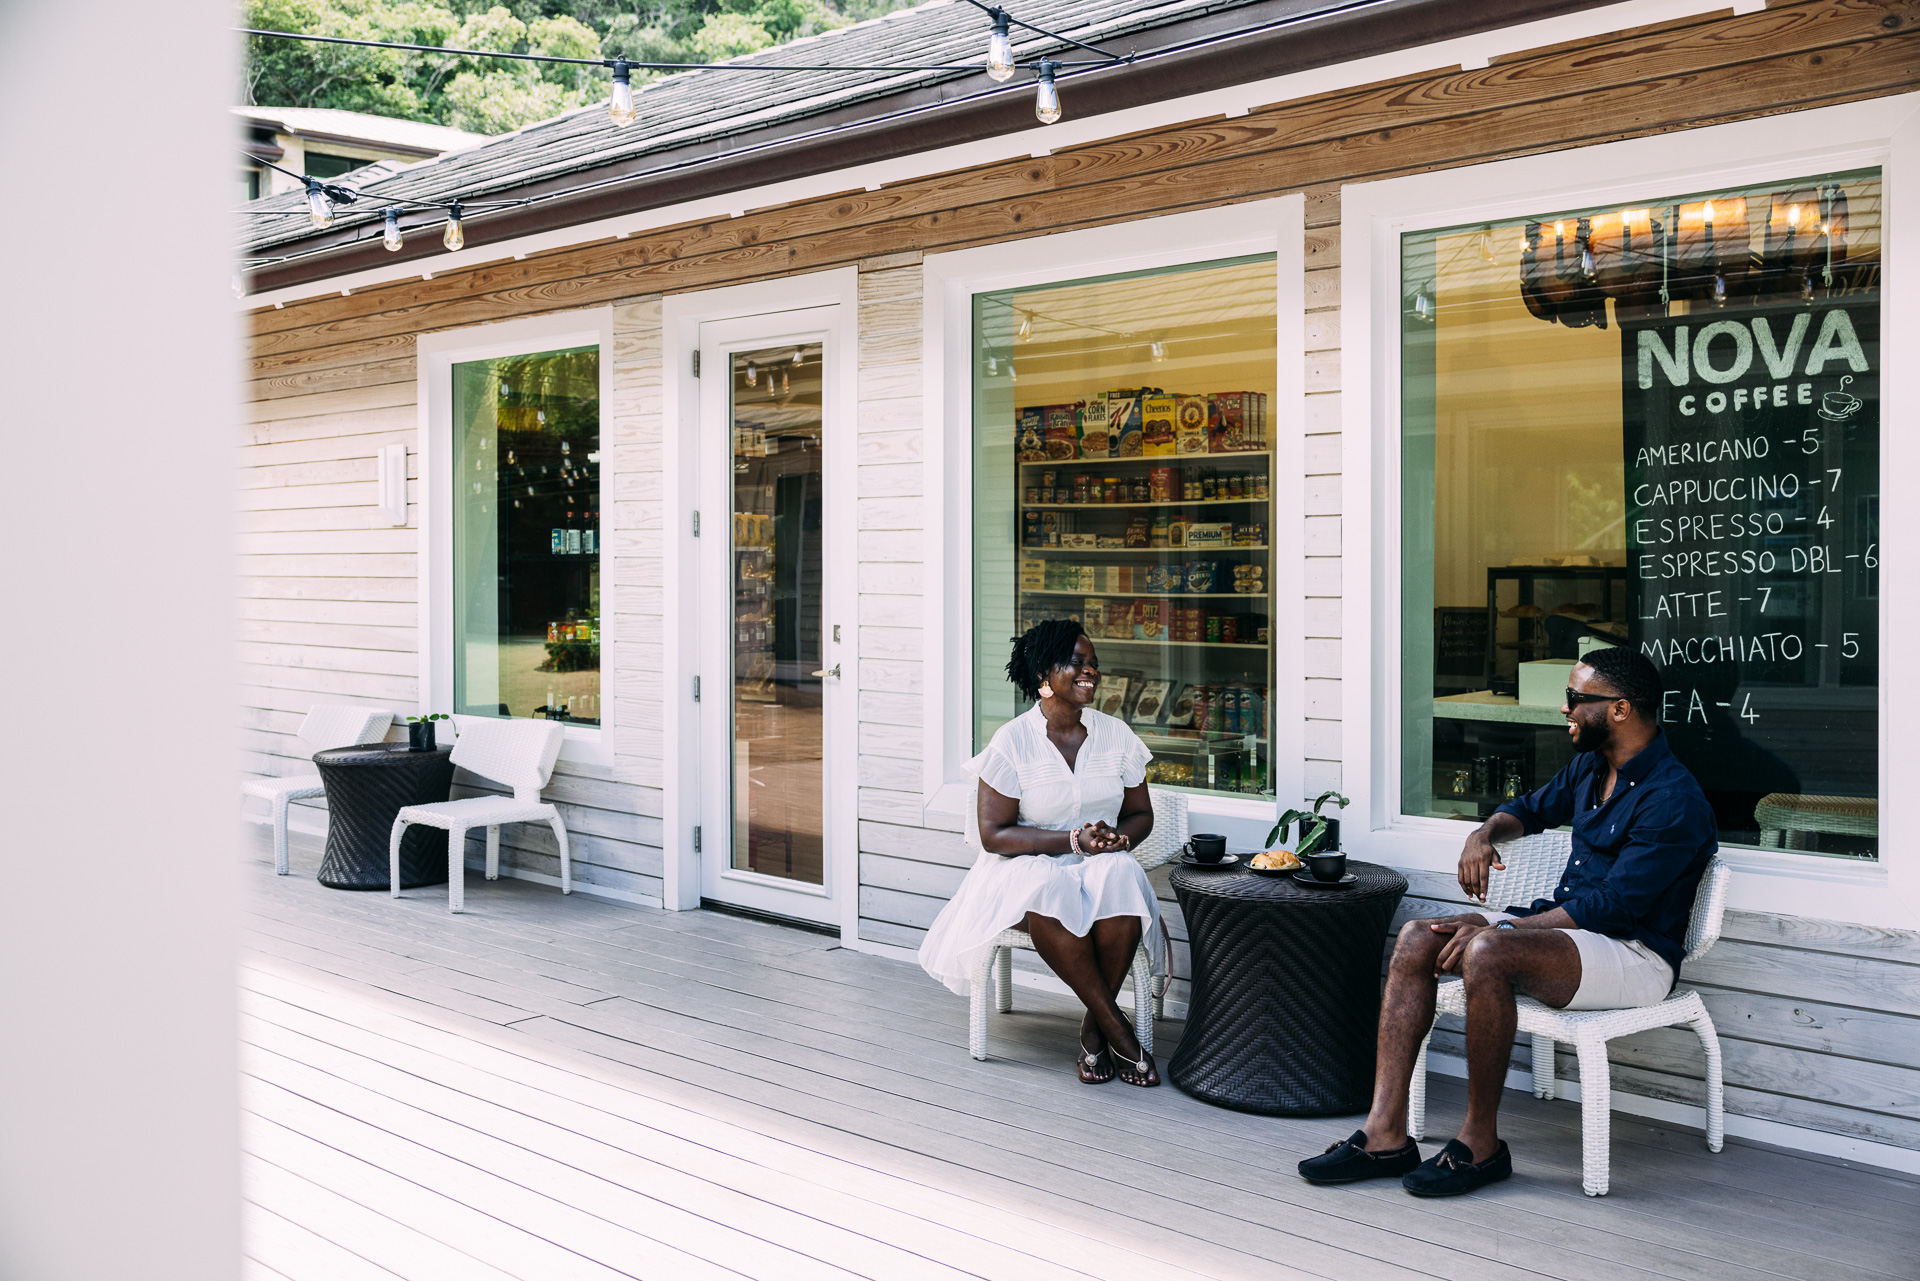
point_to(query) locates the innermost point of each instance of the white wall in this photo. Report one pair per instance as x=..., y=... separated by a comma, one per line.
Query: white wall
x=118, y=1154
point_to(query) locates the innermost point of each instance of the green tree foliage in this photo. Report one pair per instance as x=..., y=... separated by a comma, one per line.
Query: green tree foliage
x=492, y=95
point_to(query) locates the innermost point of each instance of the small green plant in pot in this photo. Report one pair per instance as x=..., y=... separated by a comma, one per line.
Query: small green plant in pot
x=1315, y=829
x=420, y=734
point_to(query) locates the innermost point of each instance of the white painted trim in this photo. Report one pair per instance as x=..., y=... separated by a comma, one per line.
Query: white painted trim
x=1798, y=1138
x=696, y=475
x=436, y=354
x=1275, y=227
x=1881, y=131
x=1230, y=102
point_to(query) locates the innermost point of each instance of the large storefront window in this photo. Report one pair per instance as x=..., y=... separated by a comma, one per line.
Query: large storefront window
x=526, y=536
x=1658, y=425
x=1123, y=475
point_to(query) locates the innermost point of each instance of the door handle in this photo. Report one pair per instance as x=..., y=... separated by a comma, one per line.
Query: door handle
x=833, y=671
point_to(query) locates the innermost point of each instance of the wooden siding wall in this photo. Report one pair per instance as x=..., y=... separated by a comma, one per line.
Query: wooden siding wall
x=1820, y=1021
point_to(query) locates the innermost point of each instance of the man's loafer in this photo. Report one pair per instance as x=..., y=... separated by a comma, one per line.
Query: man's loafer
x=1451, y=1171
x=1349, y=1162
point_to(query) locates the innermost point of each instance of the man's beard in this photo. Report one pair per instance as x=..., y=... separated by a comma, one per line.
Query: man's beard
x=1592, y=737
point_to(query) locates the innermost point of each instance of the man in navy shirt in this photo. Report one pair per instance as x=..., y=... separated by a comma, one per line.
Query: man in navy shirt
x=1611, y=936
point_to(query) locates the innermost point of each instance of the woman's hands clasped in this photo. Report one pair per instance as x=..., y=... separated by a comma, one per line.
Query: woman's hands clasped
x=1101, y=838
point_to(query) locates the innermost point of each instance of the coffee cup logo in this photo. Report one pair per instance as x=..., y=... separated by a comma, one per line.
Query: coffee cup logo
x=1837, y=406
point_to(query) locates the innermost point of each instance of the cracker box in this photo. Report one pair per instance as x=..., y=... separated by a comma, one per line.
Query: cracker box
x=1062, y=424
x=1096, y=429
x=1033, y=575
x=1156, y=426
x=1093, y=617
x=1190, y=424
x=1080, y=542
x=1150, y=620
x=1030, y=532
x=1030, y=436
x=1123, y=419
x=1209, y=533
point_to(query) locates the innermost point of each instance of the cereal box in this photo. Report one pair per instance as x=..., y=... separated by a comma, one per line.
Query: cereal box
x=1062, y=423
x=1123, y=419
x=1096, y=429
x=1190, y=424
x=1156, y=425
x=1226, y=422
x=1030, y=436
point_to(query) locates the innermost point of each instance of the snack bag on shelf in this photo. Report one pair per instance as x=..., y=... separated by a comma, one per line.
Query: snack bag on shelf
x=1160, y=485
x=1152, y=704
x=1139, y=530
x=1190, y=420
x=1093, y=616
x=1180, y=713
x=1030, y=436
x=1157, y=425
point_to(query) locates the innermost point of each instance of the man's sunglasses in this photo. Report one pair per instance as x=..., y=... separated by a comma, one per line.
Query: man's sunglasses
x=1575, y=698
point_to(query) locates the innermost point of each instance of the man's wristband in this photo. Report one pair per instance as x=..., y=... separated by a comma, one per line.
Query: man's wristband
x=1505, y=925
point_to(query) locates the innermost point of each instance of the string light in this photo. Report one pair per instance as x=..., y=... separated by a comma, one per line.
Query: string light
x=1046, y=103
x=1000, y=47
x=239, y=286
x=319, y=205
x=455, y=235
x=753, y=375
x=1025, y=332
x=392, y=238
x=620, y=104
x=1158, y=351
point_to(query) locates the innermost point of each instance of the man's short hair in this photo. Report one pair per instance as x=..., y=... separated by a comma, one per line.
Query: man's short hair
x=1631, y=675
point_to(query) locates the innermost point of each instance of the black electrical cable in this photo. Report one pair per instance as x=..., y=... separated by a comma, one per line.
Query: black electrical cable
x=995, y=11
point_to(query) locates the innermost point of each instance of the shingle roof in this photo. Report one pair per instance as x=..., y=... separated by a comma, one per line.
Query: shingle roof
x=701, y=106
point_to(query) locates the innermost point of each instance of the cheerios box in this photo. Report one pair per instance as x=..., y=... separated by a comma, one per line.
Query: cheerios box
x=1157, y=426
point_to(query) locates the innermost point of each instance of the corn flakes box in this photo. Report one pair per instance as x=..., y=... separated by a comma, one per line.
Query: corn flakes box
x=1096, y=429
x=1156, y=426
x=1191, y=418
x=1062, y=426
x=1030, y=436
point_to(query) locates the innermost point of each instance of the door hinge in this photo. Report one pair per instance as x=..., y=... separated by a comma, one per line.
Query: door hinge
x=696, y=362
x=696, y=838
x=696, y=524
x=696, y=689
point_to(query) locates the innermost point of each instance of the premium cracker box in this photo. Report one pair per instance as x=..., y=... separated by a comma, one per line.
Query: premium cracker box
x=1191, y=416
x=1156, y=425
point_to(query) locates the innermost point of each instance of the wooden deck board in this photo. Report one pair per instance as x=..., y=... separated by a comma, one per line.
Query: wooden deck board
x=566, y=1087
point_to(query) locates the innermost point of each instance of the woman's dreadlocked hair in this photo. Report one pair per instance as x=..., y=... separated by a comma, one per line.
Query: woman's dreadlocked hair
x=1039, y=650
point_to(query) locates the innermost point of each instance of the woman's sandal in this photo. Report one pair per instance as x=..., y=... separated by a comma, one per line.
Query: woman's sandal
x=1089, y=1068
x=1145, y=1074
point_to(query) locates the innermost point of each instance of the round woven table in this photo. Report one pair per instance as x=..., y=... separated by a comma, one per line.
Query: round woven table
x=1286, y=989
x=367, y=786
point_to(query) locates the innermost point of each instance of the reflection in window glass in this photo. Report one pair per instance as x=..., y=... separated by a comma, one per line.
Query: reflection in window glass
x=1656, y=425
x=526, y=536
x=1123, y=476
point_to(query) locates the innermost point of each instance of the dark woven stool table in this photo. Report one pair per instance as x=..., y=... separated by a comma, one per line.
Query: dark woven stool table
x=1286, y=989
x=367, y=786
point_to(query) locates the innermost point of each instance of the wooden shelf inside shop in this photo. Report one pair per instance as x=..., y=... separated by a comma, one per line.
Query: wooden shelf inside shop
x=1257, y=646
x=1155, y=460
x=1053, y=591
x=1170, y=502
x=1136, y=551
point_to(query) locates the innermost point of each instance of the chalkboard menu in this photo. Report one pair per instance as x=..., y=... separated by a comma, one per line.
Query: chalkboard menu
x=1752, y=443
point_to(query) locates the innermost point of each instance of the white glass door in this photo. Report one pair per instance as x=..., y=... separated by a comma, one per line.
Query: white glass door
x=774, y=668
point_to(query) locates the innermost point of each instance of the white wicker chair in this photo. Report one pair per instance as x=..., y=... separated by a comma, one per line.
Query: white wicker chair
x=1533, y=868
x=1161, y=846
x=327, y=725
x=518, y=753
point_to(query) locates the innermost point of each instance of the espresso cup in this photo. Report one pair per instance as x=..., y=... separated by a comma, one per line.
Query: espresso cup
x=1328, y=867
x=1207, y=847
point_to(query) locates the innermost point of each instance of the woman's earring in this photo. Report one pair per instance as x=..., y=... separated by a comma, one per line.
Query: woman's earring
x=1046, y=691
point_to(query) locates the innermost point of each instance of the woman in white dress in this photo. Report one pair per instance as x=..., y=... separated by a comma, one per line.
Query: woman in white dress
x=1062, y=800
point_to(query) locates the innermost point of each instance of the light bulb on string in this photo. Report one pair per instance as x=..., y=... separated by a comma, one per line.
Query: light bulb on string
x=783, y=382
x=1046, y=102
x=1025, y=332
x=1012, y=375
x=1000, y=47
x=1158, y=351
x=620, y=104
x=455, y=236
x=1486, y=243
x=799, y=357
x=993, y=366
x=753, y=375
x=1423, y=305
x=319, y=205
x=239, y=286
x=392, y=238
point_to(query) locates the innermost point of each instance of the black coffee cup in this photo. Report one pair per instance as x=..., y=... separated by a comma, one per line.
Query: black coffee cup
x=1207, y=847
x=1328, y=867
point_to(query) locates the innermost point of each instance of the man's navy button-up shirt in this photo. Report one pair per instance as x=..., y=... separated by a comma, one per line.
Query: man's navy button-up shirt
x=1637, y=859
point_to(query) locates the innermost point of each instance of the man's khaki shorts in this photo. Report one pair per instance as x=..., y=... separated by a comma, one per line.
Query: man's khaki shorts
x=1614, y=973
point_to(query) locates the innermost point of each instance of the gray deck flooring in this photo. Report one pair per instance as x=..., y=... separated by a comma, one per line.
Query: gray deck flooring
x=552, y=1088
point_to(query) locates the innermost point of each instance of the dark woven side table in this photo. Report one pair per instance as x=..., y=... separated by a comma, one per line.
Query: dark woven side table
x=367, y=786
x=1286, y=989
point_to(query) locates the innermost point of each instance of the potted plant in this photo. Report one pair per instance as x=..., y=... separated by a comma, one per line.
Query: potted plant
x=1315, y=829
x=420, y=734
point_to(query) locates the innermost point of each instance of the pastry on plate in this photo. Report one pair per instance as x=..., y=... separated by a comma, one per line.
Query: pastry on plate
x=1277, y=861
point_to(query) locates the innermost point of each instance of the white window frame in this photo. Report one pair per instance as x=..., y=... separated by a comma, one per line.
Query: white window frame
x=1884, y=132
x=1276, y=226
x=437, y=354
